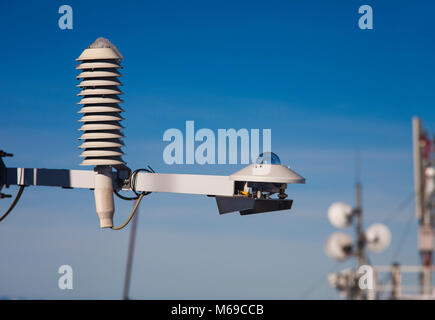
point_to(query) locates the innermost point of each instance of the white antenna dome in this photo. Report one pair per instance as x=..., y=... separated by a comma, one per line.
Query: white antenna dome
x=378, y=237
x=430, y=182
x=101, y=118
x=340, y=214
x=339, y=246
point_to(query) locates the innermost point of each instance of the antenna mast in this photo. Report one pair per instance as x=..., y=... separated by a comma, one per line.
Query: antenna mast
x=424, y=177
x=358, y=213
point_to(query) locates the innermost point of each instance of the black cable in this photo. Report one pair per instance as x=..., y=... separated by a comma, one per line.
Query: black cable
x=393, y=214
x=124, y=197
x=403, y=205
x=315, y=285
x=138, y=197
x=399, y=247
x=17, y=198
x=403, y=237
x=132, y=182
x=133, y=178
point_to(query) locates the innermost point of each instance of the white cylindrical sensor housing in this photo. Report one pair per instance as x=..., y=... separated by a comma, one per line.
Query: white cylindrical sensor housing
x=101, y=114
x=103, y=193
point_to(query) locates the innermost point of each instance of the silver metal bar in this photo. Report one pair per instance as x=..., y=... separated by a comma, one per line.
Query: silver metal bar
x=50, y=177
x=185, y=183
x=153, y=182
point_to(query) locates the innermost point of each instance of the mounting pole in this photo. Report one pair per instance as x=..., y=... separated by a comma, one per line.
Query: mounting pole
x=358, y=213
x=396, y=281
x=130, y=255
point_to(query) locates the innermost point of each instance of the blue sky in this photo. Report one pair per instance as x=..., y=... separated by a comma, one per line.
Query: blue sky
x=301, y=68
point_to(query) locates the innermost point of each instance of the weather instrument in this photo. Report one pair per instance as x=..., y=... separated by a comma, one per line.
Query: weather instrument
x=257, y=188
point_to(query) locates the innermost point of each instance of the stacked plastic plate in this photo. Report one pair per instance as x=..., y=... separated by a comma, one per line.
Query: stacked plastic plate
x=101, y=127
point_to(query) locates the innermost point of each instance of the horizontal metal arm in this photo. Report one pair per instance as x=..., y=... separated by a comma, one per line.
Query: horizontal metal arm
x=50, y=177
x=185, y=183
x=222, y=187
x=152, y=182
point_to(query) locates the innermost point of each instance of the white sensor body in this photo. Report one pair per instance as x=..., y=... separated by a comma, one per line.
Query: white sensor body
x=271, y=173
x=103, y=194
x=101, y=117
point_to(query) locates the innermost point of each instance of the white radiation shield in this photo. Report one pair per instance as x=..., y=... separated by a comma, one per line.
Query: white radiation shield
x=378, y=237
x=340, y=214
x=339, y=246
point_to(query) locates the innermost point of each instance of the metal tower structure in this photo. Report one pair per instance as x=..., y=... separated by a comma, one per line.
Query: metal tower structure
x=424, y=194
x=424, y=186
x=340, y=246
